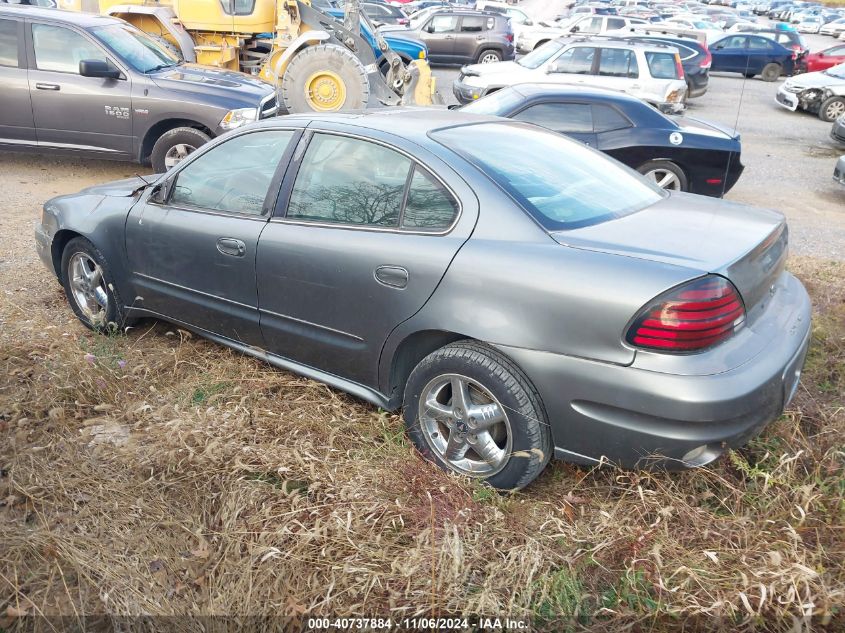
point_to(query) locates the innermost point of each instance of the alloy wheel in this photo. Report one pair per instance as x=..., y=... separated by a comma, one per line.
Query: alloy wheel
x=489, y=58
x=177, y=154
x=665, y=179
x=88, y=288
x=465, y=425
x=835, y=110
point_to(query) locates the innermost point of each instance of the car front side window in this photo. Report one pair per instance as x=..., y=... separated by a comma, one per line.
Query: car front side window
x=576, y=61
x=443, y=24
x=345, y=180
x=233, y=177
x=60, y=49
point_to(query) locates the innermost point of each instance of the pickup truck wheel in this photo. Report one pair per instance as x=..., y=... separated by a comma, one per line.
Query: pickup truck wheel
x=176, y=145
x=489, y=57
x=325, y=78
x=771, y=72
x=89, y=286
x=831, y=109
x=665, y=174
x=472, y=411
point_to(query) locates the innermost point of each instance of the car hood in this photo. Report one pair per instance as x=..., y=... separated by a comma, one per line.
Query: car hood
x=205, y=80
x=491, y=70
x=119, y=188
x=814, y=80
x=708, y=235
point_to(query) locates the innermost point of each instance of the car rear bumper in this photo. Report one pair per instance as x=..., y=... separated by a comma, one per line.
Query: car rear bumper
x=636, y=417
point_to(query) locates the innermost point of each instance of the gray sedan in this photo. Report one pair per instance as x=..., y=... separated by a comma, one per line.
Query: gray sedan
x=518, y=294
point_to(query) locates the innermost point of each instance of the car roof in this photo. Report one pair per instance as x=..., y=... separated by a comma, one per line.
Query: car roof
x=84, y=20
x=533, y=90
x=412, y=123
x=614, y=42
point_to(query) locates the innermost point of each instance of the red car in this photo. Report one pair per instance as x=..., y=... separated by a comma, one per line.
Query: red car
x=825, y=59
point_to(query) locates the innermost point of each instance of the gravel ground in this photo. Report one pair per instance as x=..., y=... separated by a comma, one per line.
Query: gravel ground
x=788, y=159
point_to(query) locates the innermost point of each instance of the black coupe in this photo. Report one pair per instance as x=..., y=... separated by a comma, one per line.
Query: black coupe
x=678, y=153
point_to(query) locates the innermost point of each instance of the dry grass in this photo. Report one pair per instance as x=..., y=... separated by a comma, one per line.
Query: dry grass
x=156, y=473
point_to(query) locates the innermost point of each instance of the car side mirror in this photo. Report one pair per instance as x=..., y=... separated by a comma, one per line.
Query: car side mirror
x=528, y=23
x=429, y=28
x=575, y=29
x=159, y=192
x=98, y=68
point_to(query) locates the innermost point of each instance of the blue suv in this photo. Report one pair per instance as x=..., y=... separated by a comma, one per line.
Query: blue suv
x=407, y=46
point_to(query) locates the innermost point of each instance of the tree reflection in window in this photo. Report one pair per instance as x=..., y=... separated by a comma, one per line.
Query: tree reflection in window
x=349, y=181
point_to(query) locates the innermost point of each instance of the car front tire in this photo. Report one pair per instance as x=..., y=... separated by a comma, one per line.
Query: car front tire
x=831, y=109
x=176, y=145
x=472, y=411
x=89, y=287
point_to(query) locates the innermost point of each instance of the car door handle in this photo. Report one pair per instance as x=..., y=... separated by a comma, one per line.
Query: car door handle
x=449, y=37
x=393, y=276
x=231, y=246
x=40, y=86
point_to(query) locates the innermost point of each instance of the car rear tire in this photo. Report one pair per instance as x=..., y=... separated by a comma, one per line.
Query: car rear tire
x=325, y=78
x=665, y=174
x=90, y=289
x=489, y=57
x=495, y=429
x=831, y=109
x=771, y=72
x=176, y=145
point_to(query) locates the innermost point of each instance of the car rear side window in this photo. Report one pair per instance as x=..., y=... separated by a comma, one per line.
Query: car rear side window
x=430, y=206
x=8, y=43
x=615, y=23
x=345, y=180
x=560, y=182
x=233, y=177
x=618, y=62
x=561, y=117
x=606, y=119
x=59, y=49
x=472, y=24
x=662, y=65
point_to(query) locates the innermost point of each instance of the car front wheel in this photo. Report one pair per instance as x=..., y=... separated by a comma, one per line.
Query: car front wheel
x=89, y=286
x=470, y=410
x=831, y=109
x=176, y=145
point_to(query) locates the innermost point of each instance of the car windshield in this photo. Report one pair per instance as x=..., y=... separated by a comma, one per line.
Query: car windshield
x=540, y=56
x=138, y=50
x=836, y=71
x=497, y=103
x=562, y=183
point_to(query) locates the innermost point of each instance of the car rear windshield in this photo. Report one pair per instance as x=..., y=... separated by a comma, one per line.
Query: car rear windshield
x=662, y=65
x=562, y=183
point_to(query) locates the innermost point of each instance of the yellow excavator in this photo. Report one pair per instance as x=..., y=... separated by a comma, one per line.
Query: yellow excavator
x=317, y=63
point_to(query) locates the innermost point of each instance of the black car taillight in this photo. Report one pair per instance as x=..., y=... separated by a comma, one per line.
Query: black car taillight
x=689, y=318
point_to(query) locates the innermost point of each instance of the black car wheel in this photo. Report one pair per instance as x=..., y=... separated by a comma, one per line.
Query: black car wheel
x=176, y=145
x=470, y=410
x=771, y=72
x=90, y=288
x=665, y=174
x=831, y=109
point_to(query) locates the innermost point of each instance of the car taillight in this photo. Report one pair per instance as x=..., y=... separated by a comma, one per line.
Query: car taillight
x=690, y=318
x=708, y=58
x=679, y=67
x=509, y=37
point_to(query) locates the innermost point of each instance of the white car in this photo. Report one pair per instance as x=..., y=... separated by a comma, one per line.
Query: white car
x=651, y=72
x=810, y=24
x=820, y=92
x=835, y=28
x=529, y=39
x=710, y=29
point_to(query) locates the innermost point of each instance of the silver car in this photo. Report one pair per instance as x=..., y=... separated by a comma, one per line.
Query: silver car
x=518, y=295
x=649, y=71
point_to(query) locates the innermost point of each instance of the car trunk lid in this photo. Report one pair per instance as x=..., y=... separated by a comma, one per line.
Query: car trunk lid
x=744, y=244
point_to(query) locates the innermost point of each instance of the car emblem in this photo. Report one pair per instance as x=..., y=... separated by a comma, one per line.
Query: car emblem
x=676, y=138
